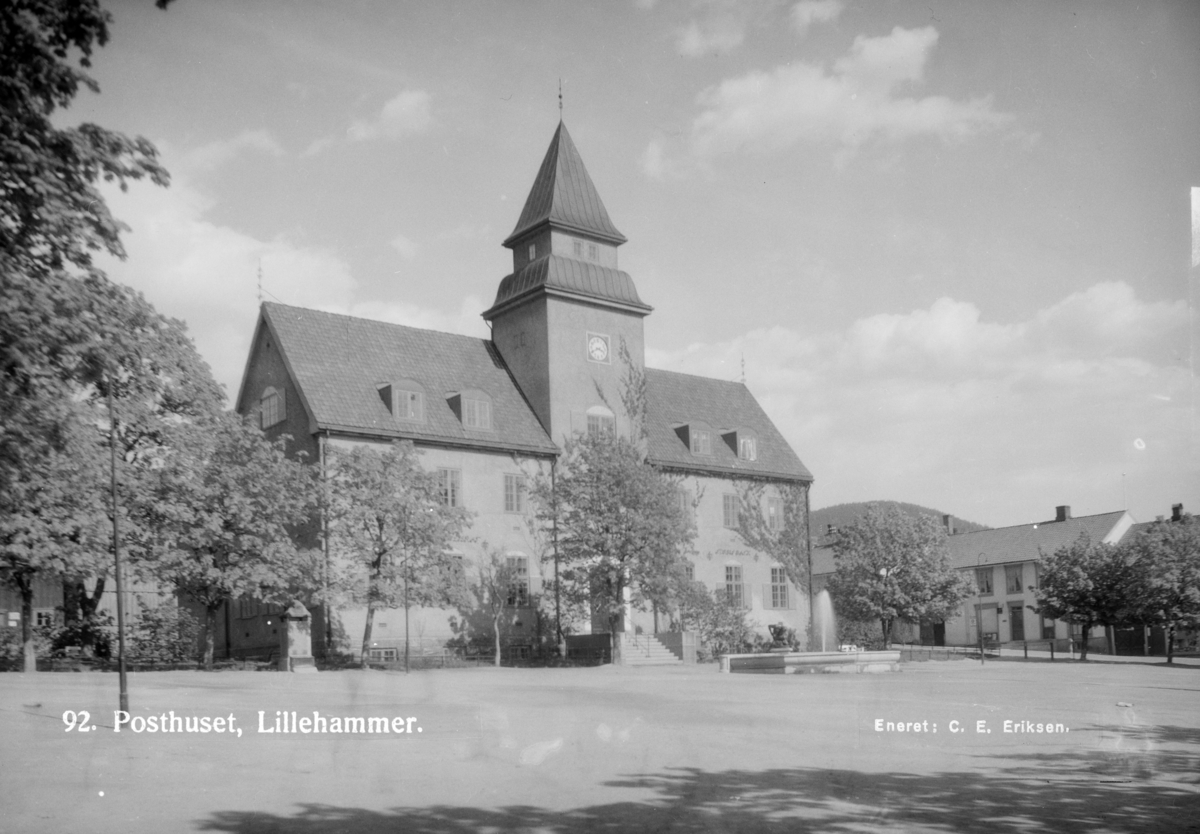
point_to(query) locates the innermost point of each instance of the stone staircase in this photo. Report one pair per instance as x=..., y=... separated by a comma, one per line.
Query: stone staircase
x=646, y=650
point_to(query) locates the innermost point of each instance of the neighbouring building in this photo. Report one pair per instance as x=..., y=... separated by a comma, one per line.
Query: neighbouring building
x=489, y=414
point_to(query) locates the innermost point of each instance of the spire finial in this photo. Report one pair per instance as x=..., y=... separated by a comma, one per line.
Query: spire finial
x=560, y=99
x=260, y=280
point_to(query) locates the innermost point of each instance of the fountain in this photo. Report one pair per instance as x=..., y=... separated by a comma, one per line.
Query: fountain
x=827, y=656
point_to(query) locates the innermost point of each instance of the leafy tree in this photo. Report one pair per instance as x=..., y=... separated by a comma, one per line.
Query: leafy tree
x=227, y=505
x=1087, y=583
x=720, y=624
x=1165, y=590
x=620, y=528
x=890, y=565
x=390, y=533
x=495, y=591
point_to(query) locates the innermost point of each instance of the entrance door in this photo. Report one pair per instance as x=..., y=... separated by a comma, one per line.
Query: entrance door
x=1016, y=617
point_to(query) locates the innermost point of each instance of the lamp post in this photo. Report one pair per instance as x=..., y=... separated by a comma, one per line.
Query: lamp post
x=116, y=533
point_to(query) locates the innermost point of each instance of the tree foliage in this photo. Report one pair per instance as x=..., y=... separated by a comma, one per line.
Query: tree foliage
x=721, y=625
x=889, y=566
x=1165, y=590
x=390, y=532
x=224, y=512
x=1086, y=583
x=620, y=527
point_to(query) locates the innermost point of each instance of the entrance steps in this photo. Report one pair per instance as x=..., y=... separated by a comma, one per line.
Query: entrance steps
x=647, y=650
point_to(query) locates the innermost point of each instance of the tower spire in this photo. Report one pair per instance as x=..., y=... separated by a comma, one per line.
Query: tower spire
x=560, y=99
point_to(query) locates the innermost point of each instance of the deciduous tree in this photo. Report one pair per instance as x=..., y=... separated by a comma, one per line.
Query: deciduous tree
x=1086, y=583
x=390, y=532
x=890, y=565
x=227, y=505
x=1165, y=590
x=620, y=527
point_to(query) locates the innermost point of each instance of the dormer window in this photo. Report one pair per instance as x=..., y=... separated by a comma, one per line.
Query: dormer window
x=742, y=443
x=473, y=408
x=701, y=442
x=477, y=414
x=405, y=400
x=272, y=407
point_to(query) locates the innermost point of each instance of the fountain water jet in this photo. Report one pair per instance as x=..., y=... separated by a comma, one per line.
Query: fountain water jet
x=824, y=623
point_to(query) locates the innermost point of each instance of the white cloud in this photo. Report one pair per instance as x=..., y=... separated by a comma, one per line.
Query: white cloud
x=994, y=422
x=405, y=115
x=717, y=34
x=218, y=153
x=206, y=274
x=406, y=248
x=861, y=99
x=807, y=12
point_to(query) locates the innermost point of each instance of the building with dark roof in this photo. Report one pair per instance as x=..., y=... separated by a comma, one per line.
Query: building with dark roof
x=566, y=324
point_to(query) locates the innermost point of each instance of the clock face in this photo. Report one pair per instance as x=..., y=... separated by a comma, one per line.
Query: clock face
x=598, y=348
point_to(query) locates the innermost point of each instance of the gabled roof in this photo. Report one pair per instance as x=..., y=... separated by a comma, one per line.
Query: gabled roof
x=1027, y=542
x=339, y=361
x=675, y=399
x=568, y=277
x=563, y=196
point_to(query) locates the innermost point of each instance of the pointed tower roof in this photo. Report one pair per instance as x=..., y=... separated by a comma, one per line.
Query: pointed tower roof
x=563, y=196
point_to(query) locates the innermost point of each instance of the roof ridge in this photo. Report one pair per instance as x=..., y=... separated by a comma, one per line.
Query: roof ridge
x=699, y=376
x=1038, y=524
x=376, y=321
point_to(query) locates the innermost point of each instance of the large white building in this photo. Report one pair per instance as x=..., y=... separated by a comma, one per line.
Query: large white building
x=488, y=414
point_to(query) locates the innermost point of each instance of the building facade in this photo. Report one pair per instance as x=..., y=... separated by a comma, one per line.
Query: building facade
x=567, y=326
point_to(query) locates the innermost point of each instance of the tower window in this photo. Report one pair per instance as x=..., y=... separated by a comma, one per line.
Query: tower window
x=593, y=252
x=532, y=251
x=600, y=421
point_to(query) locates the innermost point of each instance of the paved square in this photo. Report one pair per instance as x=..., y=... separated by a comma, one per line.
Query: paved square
x=610, y=749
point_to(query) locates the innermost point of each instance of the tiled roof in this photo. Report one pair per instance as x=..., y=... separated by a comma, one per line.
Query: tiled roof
x=576, y=277
x=674, y=399
x=1026, y=542
x=563, y=195
x=338, y=362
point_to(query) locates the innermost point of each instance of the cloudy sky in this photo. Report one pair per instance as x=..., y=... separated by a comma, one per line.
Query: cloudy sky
x=949, y=241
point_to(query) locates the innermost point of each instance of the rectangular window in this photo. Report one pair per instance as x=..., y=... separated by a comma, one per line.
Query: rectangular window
x=410, y=405
x=779, y=588
x=689, y=571
x=983, y=581
x=45, y=617
x=578, y=246
x=450, y=484
x=272, y=408
x=701, y=442
x=518, y=581
x=477, y=414
x=774, y=514
x=532, y=251
x=14, y=619
x=747, y=449
x=1047, y=627
x=734, y=589
x=514, y=490
x=1012, y=579
x=593, y=252
x=382, y=655
x=730, y=504
x=599, y=424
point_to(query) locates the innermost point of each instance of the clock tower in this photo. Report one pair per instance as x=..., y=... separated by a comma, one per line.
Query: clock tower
x=560, y=319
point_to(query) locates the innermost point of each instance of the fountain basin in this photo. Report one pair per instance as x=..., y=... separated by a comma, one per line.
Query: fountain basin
x=799, y=663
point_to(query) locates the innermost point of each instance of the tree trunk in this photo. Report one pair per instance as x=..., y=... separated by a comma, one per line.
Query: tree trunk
x=30, y=653
x=616, y=639
x=887, y=632
x=366, y=643
x=496, y=636
x=89, y=604
x=1111, y=634
x=1087, y=630
x=210, y=631
x=1171, y=643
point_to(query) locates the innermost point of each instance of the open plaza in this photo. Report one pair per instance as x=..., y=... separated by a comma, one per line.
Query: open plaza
x=1007, y=746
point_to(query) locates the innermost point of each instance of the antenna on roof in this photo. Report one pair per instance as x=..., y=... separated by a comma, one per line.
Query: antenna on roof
x=560, y=99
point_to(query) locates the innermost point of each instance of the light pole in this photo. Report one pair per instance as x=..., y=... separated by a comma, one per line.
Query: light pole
x=116, y=532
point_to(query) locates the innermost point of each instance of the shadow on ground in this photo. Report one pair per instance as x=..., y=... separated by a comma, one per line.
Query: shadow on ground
x=1112, y=791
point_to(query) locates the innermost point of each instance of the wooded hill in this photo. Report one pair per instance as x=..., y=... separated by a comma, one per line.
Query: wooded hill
x=842, y=514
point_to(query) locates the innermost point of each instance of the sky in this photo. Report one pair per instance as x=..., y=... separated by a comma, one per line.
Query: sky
x=947, y=245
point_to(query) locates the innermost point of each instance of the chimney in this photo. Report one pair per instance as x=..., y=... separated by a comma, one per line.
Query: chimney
x=1062, y=512
x=1177, y=512
x=948, y=520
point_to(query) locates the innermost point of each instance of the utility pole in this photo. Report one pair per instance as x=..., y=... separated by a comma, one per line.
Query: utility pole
x=116, y=533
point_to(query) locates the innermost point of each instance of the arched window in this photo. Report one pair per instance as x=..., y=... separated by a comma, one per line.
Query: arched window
x=272, y=407
x=600, y=420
